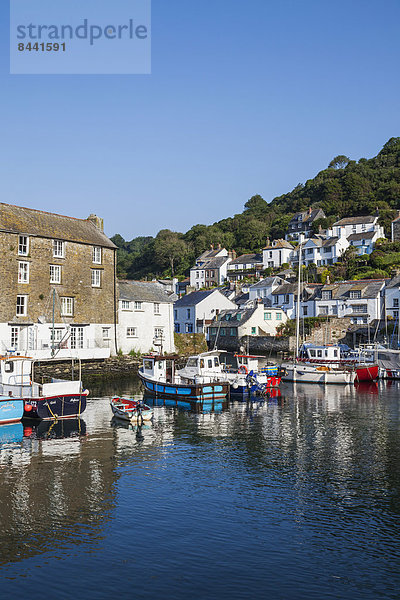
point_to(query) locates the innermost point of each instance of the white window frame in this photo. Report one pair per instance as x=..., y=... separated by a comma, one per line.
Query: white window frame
x=22, y=305
x=23, y=245
x=96, y=255
x=159, y=332
x=55, y=273
x=23, y=272
x=125, y=305
x=14, y=337
x=131, y=332
x=96, y=278
x=67, y=306
x=157, y=310
x=138, y=305
x=77, y=338
x=106, y=333
x=58, y=249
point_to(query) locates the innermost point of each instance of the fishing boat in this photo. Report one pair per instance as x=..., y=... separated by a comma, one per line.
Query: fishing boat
x=11, y=409
x=340, y=355
x=243, y=372
x=56, y=399
x=160, y=377
x=131, y=410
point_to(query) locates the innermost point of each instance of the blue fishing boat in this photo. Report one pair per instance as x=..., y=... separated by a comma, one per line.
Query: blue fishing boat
x=160, y=378
x=11, y=409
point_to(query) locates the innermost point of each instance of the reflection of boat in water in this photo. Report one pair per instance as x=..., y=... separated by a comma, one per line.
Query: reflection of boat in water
x=64, y=428
x=57, y=399
x=160, y=400
x=11, y=433
x=132, y=410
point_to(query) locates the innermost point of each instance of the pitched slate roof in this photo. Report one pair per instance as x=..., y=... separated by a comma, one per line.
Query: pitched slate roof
x=268, y=281
x=246, y=259
x=31, y=222
x=394, y=283
x=143, y=291
x=356, y=220
x=235, y=317
x=367, y=235
x=307, y=216
x=195, y=297
x=369, y=288
x=277, y=244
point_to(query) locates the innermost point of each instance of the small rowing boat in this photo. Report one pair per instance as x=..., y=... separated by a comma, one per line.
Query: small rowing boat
x=132, y=410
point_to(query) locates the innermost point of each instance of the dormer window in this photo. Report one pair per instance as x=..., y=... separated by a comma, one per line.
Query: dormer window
x=355, y=294
x=326, y=294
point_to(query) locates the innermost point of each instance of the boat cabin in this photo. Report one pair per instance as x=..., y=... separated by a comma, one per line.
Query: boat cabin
x=15, y=370
x=207, y=362
x=159, y=368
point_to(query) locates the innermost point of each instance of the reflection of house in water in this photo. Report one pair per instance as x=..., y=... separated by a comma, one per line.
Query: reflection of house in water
x=54, y=491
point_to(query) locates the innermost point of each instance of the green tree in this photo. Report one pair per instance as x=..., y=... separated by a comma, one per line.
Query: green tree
x=169, y=249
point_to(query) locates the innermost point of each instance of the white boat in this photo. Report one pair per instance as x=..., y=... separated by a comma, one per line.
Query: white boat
x=243, y=376
x=322, y=374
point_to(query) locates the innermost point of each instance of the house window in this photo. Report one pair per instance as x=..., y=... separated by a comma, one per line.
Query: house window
x=334, y=310
x=324, y=310
x=156, y=308
x=395, y=302
x=131, y=332
x=305, y=311
x=23, y=272
x=158, y=332
x=22, y=302
x=96, y=256
x=58, y=249
x=96, y=277
x=254, y=331
x=189, y=328
x=106, y=333
x=14, y=337
x=279, y=316
x=126, y=305
x=267, y=316
x=76, y=338
x=286, y=298
x=233, y=331
x=138, y=306
x=23, y=245
x=197, y=274
x=212, y=273
x=55, y=274
x=354, y=294
x=56, y=335
x=359, y=308
x=188, y=313
x=276, y=299
x=177, y=328
x=326, y=294
x=310, y=250
x=222, y=331
x=67, y=306
x=175, y=314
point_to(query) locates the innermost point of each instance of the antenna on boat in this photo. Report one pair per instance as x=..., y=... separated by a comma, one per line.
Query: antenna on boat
x=298, y=299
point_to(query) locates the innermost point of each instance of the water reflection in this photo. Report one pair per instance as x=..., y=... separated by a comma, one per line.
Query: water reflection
x=307, y=480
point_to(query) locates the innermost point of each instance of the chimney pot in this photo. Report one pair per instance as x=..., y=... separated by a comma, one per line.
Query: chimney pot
x=97, y=221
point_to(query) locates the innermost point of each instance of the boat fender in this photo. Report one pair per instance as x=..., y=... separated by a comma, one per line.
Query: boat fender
x=28, y=407
x=243, y=369
x=235, y=385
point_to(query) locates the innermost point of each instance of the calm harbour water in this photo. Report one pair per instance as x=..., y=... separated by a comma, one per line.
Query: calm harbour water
x=297, y=497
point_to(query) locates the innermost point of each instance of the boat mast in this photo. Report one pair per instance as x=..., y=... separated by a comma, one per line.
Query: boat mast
x=298, y=300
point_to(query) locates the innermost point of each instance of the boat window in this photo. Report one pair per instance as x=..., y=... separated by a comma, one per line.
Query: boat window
x=202, y=363
x=210, y=363
x=335, y=352
x=148, y=365
x=216, y=361
x=319, y=353
x=312, y=353
x=326, y=352
x=192, y=362
x=9, y=366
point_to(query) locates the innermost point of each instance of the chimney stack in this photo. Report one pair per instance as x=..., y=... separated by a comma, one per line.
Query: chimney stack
x=97, y=221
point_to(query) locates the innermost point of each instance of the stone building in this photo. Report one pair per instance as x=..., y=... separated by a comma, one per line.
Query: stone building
x=58, y=294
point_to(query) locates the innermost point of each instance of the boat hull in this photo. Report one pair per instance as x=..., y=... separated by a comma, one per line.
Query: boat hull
x=11, y=409
x=367, y=372
x=302, y=374
x=202, y=393
x=131, y=410
x=67, y=406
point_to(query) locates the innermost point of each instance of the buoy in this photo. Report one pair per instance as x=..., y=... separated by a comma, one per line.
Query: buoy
x=28, y=407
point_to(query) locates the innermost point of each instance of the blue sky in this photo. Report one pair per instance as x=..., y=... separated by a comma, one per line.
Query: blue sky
x=244, y=98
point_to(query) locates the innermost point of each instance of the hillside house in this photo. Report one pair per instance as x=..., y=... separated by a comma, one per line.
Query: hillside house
x=301, y=223
x=247, y=265
x=262, y=290
x=361, y=301
x=210, y=269
x=193, y=312
x=277, y=253
x=56, y=264
x=360, y=232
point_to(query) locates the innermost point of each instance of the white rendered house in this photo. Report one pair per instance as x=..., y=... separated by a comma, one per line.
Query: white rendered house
x=145, y=318
x=194, y=311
